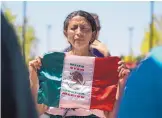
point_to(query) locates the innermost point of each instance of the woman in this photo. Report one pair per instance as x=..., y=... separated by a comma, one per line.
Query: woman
x=80, y=30
x=98, y=48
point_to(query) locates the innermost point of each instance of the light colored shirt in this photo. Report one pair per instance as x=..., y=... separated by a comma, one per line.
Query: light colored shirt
x=76, y=112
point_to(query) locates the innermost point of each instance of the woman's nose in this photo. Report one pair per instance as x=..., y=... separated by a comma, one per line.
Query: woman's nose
x=78, y=30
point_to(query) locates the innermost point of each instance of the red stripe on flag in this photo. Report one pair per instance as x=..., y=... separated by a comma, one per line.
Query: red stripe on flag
x=104, y=86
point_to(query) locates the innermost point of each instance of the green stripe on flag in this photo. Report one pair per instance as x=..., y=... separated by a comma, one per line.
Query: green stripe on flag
x=50, y=78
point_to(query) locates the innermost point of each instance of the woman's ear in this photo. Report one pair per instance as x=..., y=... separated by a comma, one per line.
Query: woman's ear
x=65, y=33
x=93, y=37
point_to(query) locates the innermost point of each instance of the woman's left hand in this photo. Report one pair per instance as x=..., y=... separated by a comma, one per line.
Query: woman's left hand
x=123, y=70
x=123, y=73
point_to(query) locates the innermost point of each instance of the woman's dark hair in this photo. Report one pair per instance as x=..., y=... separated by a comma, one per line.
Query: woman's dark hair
x=84, y=14
x=96, y=17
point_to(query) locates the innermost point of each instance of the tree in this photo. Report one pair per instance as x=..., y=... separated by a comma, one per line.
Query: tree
x=158, y=23
x=157, y=36
x=30, y=33
x=30, y=37
x=139, y=58
x=129, y=58
x=10, y=17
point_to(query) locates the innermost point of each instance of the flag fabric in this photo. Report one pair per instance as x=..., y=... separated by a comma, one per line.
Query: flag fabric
x=68, y=81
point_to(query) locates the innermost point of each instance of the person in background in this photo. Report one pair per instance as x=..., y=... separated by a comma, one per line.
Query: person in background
x=17, y=100
x=142, y=97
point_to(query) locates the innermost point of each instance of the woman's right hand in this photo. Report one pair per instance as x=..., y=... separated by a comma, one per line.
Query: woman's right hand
x=34, y=65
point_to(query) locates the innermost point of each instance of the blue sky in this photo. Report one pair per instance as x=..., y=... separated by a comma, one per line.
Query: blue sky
x=115, y=19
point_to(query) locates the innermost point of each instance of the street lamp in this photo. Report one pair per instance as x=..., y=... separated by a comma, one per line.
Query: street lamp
x=24, y=28
x=48, y=36
x=130, y=41
x=151, y=24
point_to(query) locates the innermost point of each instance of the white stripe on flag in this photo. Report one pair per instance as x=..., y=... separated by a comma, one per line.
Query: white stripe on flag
x=77, y=82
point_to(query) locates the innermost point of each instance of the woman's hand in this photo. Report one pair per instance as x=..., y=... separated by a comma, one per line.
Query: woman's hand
x=123, y=70
x=100, y=47
x=34, y=65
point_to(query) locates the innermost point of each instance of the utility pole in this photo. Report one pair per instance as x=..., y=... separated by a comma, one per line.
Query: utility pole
x=48, y=37
x=3, y=5
x=24, y=28
x=130, y=41
x=151, y=24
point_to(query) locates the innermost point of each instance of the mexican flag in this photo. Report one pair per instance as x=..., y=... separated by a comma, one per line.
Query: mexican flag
x=68, y=81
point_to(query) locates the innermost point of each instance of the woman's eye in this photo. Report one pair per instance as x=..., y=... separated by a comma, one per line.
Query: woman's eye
x=73, y=28
x=85, y=29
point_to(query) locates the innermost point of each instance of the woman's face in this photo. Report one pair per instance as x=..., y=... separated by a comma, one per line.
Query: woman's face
x=79, y=32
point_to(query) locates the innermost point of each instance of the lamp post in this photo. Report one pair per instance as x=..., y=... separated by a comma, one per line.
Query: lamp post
x=151, y=24
x=24, y=28
x=130, y=41
x=48, y=36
